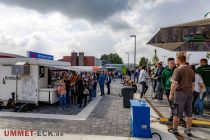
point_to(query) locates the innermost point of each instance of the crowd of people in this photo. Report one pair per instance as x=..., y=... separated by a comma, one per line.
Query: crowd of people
x=76, y=88
x=184, y=85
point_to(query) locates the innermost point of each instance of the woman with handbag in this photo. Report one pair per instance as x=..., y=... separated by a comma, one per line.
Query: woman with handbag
x=85, y=92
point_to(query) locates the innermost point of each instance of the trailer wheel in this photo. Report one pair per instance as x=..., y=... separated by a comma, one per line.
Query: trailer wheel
x=23, y=108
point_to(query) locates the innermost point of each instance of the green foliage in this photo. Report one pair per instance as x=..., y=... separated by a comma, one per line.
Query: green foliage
x=155, y=58
x=123, y=70
x=143, y=62
x=114, y=58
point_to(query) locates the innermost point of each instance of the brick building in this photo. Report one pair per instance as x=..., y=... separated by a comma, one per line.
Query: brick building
x=79, y=59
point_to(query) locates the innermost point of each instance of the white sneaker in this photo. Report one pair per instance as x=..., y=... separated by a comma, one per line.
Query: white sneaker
x=169, y=109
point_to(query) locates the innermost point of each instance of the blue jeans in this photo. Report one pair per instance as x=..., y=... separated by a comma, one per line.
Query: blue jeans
x=63, y=101
x=68, y=97
x=207, y=92
x=102, y=89
x=159, y=91
x=94, y=93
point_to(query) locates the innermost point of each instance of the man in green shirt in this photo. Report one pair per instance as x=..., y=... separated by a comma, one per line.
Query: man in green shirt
x=166, y=80
x=204, y=71
x=166, y=76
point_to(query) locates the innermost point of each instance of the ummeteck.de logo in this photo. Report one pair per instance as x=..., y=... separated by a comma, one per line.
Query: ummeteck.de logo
x=30, y=133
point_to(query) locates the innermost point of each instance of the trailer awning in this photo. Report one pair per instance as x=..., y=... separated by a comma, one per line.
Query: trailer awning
x=72, y=68
x=191, y=36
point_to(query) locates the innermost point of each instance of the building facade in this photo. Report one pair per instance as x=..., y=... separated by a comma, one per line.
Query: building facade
x=79, y=59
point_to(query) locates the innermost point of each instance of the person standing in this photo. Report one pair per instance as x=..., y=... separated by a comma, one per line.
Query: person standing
x=129, y=72
x=154, y=83
x=158, y=78
x=73, y=80
x=101, y=81
x=94, y=87
x=85, y=92
x=181, y=93
x=136, y=75
x=62, y=92
x=80, y=90
x=198, y=86
x=108, y=82
x=143, y=80
x=166, y=81
x=204, y=71
x=97, y=75
x=68, y=92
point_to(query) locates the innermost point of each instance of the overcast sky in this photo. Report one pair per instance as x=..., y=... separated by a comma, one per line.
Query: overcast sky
x=59, y=27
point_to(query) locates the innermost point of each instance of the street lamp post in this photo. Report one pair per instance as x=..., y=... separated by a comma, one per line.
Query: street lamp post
x=134, y=49
x=128, y=57
x=164, y=58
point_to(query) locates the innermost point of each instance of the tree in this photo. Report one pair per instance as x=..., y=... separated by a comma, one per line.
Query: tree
x=114, y=58
x=208, y=55
x=155, y=58
x=143, y=61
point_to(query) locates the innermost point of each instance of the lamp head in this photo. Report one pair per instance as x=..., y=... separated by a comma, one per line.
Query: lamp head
x=132, y=35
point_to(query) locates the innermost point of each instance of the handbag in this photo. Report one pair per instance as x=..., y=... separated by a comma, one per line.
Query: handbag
x=86, y=91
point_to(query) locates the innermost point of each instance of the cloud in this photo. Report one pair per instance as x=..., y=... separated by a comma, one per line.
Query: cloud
x=96, y=27
x=119, y=25
x=92, y=10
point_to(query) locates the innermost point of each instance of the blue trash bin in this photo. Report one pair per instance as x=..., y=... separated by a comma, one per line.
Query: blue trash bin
x=140, y=119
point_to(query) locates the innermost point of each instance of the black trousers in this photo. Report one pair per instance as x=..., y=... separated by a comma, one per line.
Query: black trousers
x=85, y=99
x=90, y=94
x=73, y=96
x=144, y=88
x=108, y=87
x=80, y=97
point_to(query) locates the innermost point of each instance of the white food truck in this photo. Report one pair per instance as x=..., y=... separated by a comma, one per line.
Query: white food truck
x=28, y=79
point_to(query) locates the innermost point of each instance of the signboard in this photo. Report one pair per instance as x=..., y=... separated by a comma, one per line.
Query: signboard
x=31, y=54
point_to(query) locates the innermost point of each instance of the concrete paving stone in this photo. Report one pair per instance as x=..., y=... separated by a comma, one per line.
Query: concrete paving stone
x=107, y=116
x=89, y=137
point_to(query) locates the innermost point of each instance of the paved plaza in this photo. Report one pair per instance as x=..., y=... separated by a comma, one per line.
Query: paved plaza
x=107, y=118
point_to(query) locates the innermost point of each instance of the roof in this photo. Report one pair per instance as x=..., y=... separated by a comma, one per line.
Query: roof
x=173, y=38
x=202, y=22
x=9, y=55
x=43, y=62
x=33, y=61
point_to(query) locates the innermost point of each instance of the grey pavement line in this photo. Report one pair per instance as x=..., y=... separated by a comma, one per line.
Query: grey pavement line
x=83, y=115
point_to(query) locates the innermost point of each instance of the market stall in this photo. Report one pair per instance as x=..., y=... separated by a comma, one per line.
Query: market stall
x=31, y=80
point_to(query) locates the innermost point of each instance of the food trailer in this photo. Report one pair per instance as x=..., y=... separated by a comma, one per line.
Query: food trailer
x=28, y=80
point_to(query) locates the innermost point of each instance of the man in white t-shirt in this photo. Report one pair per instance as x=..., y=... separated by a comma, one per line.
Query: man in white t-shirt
x=198, y=86
x=143, y=80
